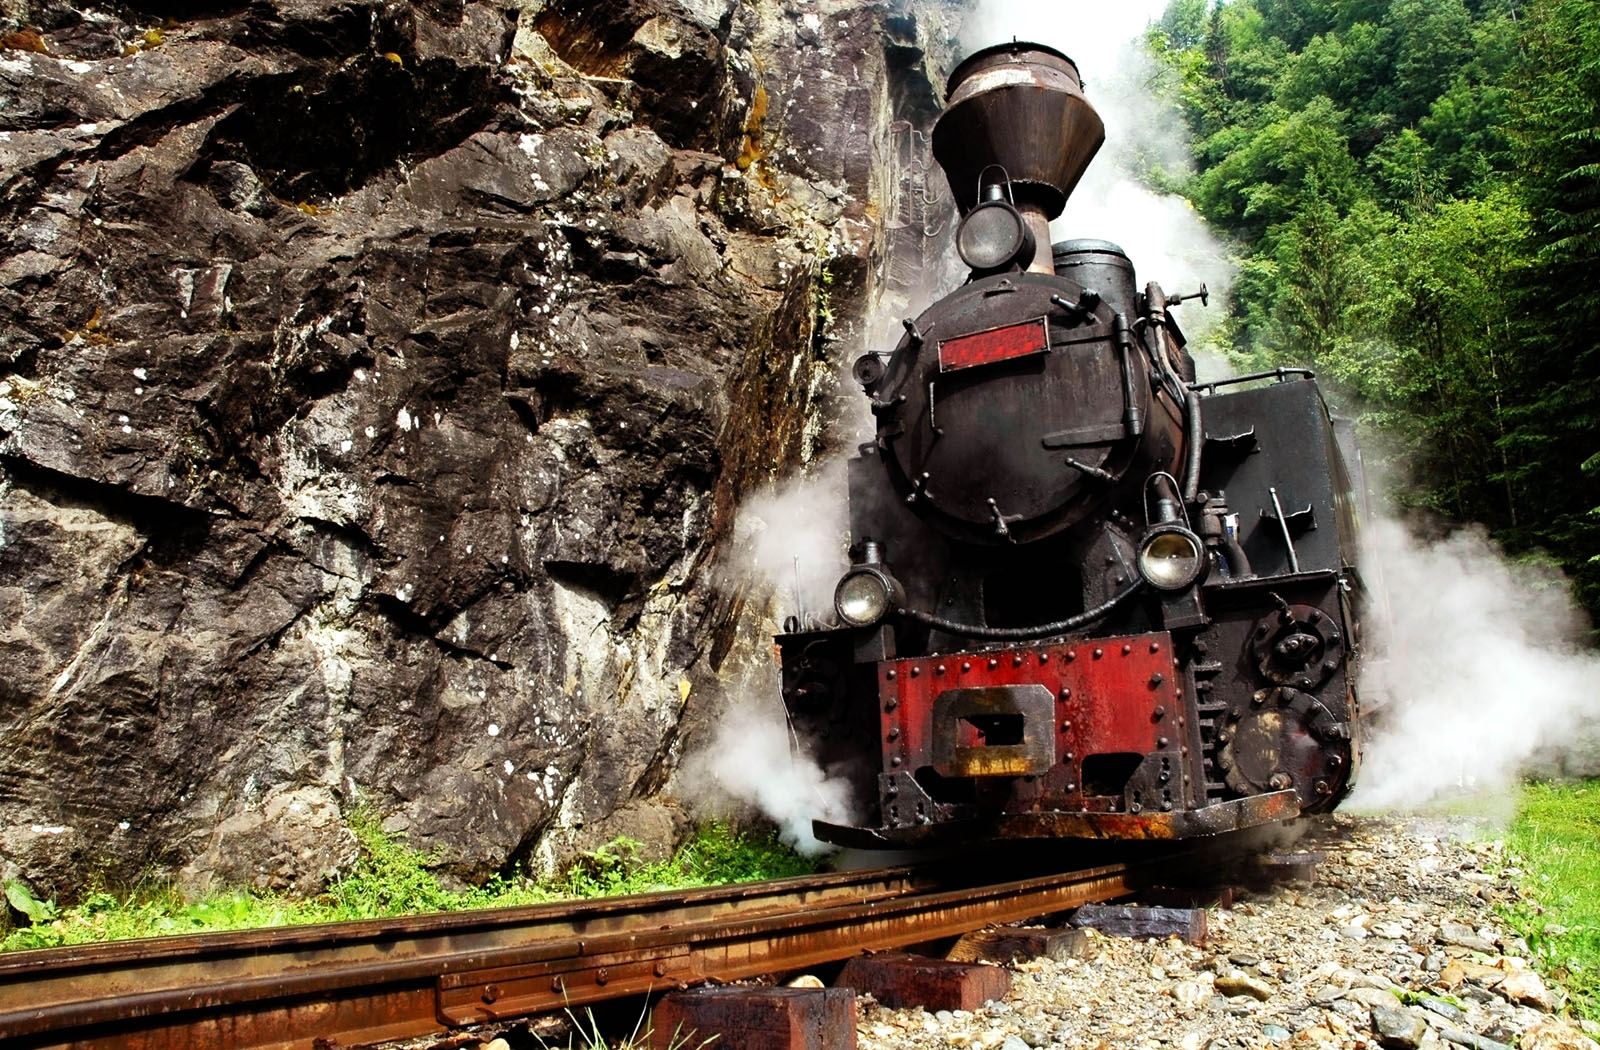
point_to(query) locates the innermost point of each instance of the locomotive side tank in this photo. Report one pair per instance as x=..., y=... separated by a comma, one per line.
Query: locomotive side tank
x=1088, y=597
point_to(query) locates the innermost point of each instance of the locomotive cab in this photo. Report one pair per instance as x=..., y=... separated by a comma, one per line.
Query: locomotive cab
x=1089, y=597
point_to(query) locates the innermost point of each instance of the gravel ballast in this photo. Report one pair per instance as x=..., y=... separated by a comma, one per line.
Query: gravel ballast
x=1396, y=945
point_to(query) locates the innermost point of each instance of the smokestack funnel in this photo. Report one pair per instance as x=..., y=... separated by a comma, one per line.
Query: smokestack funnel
x=1020, y=106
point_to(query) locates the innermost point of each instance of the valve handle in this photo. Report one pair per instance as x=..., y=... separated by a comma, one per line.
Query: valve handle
x=1204, y=295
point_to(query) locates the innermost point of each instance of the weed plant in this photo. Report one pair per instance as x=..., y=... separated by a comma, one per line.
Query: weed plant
x=391, y=878
x=586, y=1033
x=1555, y=841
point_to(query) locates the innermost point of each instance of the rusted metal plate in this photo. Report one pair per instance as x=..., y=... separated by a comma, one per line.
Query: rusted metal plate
x=1210, y=820
x=898, y=980
x=1107, y=690
x=1036, y=710
x=1215, y=819
x=996, y=730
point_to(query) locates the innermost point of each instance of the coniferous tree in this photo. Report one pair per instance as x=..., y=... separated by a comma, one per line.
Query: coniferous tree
x=1556, y=138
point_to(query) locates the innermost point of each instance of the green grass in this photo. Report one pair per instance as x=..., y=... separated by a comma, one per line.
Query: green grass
x=1492, y=808
x=391, y=878
x=1555, y=841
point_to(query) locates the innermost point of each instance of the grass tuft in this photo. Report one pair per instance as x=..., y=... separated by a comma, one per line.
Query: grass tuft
x=1555, y=841
x=714, y=856
x=389, y=878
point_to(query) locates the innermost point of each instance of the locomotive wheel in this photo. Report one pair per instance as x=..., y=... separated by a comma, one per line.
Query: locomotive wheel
x=1286, y=739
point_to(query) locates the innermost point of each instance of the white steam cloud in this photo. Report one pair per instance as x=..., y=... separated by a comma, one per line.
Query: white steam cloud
x=790, y=541
x=1478, y=673
x=788, y=551
x=753, y=761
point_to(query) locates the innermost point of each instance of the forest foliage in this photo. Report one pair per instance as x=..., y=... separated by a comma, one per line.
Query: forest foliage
x=1414, y=187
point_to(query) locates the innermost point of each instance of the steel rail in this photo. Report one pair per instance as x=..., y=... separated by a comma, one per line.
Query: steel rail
x=388, y=979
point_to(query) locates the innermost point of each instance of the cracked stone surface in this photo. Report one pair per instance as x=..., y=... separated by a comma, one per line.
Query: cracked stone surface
x=378, y=382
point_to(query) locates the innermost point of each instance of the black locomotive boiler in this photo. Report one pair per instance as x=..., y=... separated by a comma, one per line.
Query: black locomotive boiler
x=1088, y=598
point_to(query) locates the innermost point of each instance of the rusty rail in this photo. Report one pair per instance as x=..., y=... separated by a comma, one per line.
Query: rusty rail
x=388, y=979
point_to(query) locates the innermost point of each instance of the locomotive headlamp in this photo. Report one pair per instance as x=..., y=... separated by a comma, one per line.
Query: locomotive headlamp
x=1171, y=557
x=993, y=236
x=865, y=595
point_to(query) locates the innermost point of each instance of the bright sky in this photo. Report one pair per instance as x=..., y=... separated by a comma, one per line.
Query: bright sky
x=1090, y=31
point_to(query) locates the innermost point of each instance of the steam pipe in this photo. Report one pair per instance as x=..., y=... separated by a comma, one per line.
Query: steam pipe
x=1191, y=399
x=1238, y=561
x=1132, y=418
x=1191, y=469
x=1023, y=634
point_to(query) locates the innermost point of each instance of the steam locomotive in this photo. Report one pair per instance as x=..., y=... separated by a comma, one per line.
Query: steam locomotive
x=1089, y=597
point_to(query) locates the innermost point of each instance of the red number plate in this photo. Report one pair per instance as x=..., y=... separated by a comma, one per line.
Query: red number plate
x=996, y=344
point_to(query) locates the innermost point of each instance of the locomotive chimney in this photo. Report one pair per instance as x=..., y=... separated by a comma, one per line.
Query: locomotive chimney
x=1020, y=107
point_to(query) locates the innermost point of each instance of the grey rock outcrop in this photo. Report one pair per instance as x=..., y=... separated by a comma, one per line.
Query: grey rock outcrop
x=378, y=381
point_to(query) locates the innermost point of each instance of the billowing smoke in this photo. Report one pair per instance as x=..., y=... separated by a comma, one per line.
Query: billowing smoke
x=1166, y=239
x=753, y=760
x=790, y=540
x=1478, y=672
x=788, y=552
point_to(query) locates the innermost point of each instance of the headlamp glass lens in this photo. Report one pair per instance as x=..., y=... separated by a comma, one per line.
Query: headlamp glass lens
x=990, y=237
x=862, y=598
x=1170, y=560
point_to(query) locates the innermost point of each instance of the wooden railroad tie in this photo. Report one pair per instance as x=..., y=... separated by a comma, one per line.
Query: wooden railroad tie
x=897, y=981
x=747, y=1017
x=1187, y=924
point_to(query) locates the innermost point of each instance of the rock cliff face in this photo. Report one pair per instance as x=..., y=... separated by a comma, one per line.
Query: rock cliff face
x=378, y=381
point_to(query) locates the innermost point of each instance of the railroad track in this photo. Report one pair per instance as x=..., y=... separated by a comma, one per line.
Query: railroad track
x=368, y=981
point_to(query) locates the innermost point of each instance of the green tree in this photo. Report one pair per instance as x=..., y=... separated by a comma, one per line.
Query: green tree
x=1266, y=177
x=1556, y=141
x=1295, y=22
x=1433, y=43
x=1449, y=311
x=1405, y=174
x=1352, y=69
x=1183, y=23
